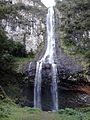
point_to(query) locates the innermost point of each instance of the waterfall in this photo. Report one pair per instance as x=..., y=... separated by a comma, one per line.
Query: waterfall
x=37, y=86
x=49, y=57
x=54, y=87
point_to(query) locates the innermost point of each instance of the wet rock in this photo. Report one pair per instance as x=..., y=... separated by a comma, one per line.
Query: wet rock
x=46, y=74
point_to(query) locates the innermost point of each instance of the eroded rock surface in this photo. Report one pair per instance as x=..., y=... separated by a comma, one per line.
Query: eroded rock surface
x=27, y=23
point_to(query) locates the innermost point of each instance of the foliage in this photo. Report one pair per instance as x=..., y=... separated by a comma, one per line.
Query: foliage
x=75, y=25
x=17, y=49
x=11, y=111
x=9, y=49
x=6, y=59
x=6, y=62
x=5, y=9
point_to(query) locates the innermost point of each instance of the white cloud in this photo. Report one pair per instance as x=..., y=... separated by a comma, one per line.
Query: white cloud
x=48, y=3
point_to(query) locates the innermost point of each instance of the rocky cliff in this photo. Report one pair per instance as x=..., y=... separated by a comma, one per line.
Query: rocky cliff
x=26, y=24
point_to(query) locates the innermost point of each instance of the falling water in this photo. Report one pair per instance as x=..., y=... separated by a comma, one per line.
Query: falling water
x=49, y=57
x=54, y=87
x=37, y=86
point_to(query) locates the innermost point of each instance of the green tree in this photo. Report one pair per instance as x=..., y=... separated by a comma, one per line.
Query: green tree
x=6, y=59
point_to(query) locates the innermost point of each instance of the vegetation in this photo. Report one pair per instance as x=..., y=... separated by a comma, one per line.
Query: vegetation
x=12, y=54
x=76, y=26
x=11, y=111
x=76, y=39
x=6, y=59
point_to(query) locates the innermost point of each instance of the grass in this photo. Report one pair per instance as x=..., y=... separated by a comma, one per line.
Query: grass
x=23, y=59
x=11, y=111
x=21, y=62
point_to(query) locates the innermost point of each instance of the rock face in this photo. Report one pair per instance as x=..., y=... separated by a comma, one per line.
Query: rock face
x=69, y=93
x=26, y=23
x=73, y=87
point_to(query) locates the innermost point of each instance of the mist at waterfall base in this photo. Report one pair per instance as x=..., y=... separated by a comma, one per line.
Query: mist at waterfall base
x=49, y=57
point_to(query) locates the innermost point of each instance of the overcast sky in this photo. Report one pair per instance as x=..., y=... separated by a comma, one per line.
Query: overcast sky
x=48, y=3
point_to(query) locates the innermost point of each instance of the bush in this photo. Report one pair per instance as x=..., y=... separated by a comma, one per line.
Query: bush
x=4, y=112
x=68, y=111
x=6, y=62
x=18, y=50
x=9, y=49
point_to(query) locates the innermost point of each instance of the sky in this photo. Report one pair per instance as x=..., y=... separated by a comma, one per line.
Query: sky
x=48, y=3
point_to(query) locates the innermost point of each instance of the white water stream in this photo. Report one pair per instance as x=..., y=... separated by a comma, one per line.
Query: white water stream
x=49, y=57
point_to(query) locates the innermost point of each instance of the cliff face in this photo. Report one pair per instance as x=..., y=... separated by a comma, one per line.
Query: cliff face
x=26, y=23
x=71, y=31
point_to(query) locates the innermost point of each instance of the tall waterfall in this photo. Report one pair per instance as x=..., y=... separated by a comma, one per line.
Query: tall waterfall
x=49, y=57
